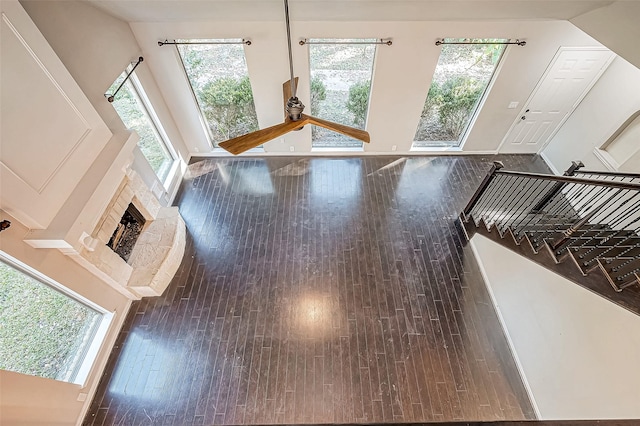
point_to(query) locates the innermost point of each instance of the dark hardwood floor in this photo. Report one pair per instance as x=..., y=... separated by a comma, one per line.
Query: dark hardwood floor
x=319, y=290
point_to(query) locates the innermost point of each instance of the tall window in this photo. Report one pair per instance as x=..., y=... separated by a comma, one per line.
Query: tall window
x=459, y=83
x=340, y=88
x=136, y=114
x=43, y=332
x=220, y=81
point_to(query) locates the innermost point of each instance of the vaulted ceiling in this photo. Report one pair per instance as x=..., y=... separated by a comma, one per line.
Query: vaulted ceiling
x=340, y=10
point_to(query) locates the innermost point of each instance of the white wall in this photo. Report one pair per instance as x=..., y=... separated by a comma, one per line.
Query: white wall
x=401, y=79
x=577, y=352
x=615, y=26
x=611, y=101
x=34, y=400
x=95, y=48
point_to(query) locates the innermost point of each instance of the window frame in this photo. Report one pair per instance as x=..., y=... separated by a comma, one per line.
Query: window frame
x=82, y=369
x=344, y=41
x=133, y=83
x=462, y=139
x=213, y=144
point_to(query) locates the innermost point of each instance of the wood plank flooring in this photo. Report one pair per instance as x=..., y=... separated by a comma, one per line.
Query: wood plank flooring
x=319, y=290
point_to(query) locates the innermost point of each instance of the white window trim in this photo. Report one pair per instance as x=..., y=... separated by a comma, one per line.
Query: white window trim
x=360, y=148
x=163, y=138
x=203, y=120
x=82, y=373
x=476, y=112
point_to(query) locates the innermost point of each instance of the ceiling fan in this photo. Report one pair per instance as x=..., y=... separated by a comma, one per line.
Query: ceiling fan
x=294, y=118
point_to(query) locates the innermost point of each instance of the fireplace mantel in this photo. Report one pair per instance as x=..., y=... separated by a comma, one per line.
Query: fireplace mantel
x=83, y=227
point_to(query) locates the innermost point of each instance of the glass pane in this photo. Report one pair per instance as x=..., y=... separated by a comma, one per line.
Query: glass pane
x=220, y=80
x=42, y=332
x=134, y=115
x=459, y=82
x=340, y=88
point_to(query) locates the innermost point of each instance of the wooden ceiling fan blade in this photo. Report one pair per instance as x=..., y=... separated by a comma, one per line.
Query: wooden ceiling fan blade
x=340, y=128
x=286, y=89
x=245, y=142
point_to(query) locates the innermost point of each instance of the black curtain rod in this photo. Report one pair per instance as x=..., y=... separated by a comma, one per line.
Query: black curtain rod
x=388, y=42
x=518, y=42
x=167, y=42
x=112, y=97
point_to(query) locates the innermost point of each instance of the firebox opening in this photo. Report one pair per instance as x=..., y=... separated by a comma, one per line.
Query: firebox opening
x=127, y=232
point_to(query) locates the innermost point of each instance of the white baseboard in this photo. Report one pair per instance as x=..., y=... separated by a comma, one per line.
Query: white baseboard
x=503, y=324
x=550, y=164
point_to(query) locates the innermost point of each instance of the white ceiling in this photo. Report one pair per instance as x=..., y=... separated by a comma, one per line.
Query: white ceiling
x=346, y=10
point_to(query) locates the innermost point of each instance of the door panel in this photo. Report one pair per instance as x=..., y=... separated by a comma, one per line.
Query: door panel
x=568, y=79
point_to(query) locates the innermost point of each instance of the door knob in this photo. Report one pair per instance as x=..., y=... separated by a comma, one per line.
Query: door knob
x=524, y=117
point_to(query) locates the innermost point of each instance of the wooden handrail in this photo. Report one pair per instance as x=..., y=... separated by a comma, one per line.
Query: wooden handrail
x=608, y=173
x=569, y=179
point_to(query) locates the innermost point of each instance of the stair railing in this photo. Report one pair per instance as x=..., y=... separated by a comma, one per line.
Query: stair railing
x=595, y=220
x=613, y=176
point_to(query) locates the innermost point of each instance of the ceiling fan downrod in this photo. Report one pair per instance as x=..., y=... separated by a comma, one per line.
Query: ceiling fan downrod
x=293, y=102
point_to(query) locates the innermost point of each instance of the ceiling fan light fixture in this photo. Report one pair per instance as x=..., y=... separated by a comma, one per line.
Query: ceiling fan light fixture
x=294, y=108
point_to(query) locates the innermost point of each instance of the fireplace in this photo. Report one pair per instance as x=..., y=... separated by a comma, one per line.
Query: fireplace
x=127, y=232
x=136, y=245
x=83, y=228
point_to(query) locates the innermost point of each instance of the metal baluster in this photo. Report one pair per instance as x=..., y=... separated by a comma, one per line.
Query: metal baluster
x=505, y=196
x=561, y=205
x=601, y=255
x=557, y=208
x=539, y=188
x=613, y=223
x=497, y=165
x=557, y=187
x=568, y=233
x=488, y=204
x=487, y=198
x=515, y=204
x=522, y=225
x=560, y=226
x=477, y=211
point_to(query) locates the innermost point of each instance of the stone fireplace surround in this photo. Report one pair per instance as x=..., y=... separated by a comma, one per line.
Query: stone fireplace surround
x=84, y=224
x=157, y=253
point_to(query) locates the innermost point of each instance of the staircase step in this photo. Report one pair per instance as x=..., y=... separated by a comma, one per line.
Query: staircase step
x=596, y=280
x=509, y=234
x=590, y=255
x=620, y=280
x=604, y=240
x=538, y=241
x=620, y=266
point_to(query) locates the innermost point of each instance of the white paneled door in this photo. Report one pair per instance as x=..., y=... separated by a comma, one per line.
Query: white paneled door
x=571, y=74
